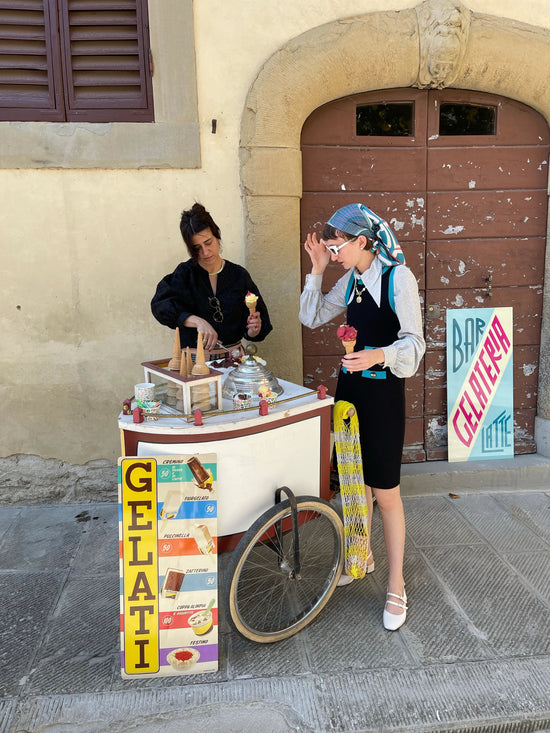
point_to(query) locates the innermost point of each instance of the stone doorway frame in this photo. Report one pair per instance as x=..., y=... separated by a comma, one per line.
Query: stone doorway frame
x=437, y=44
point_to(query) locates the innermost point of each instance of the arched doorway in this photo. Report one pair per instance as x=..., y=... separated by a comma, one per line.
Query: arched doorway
x=462, y=178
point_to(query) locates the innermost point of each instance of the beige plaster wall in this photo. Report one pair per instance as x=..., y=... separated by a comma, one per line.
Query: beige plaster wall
x=82, y=250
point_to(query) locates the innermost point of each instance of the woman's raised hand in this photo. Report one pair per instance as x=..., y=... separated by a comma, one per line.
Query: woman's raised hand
x=254, y=324
x=318, y=253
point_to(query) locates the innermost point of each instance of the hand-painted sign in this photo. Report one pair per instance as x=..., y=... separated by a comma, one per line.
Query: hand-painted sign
x=480, y=413
x=168, y=553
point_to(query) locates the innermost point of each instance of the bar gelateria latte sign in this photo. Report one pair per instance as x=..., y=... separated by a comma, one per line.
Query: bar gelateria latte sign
x=480, y=413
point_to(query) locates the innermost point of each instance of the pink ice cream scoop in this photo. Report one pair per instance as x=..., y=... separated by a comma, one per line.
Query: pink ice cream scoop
x=346, y=334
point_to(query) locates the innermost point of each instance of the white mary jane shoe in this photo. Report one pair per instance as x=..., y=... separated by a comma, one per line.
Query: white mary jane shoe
x=347, y=579
x=393, y=621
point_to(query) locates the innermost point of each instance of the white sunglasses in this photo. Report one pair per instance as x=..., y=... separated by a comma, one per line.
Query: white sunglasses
x=335, y=248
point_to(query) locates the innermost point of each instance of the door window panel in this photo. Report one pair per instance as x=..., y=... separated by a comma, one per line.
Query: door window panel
x=467, y=119
x=385, y=120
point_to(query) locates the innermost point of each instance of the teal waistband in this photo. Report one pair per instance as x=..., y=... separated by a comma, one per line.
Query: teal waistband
x=371, y=373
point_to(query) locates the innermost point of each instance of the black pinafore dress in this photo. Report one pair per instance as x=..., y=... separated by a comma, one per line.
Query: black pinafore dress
x=377, y=394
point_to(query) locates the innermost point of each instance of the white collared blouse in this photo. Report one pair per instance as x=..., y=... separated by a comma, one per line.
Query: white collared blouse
x=404, y=355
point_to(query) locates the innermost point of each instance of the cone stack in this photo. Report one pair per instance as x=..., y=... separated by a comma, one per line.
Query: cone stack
x=200, y=364
x=183, y=366
x=175, y=361
x=200, y=393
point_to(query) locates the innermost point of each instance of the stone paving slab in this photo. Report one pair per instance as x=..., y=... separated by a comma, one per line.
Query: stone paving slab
x=40, y=538
x=27, y=601
x=474, y=654
x=440, y=698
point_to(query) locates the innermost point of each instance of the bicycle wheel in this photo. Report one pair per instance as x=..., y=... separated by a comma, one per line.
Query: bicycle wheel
x=267, y=600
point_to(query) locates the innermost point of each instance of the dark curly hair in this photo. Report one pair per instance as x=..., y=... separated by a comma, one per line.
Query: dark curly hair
x=195, y=220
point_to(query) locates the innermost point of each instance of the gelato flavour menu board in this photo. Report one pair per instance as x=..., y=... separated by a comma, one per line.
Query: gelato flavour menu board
x=168, y=565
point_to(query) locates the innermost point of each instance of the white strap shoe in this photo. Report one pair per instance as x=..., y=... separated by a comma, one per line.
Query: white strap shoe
x=392, y=621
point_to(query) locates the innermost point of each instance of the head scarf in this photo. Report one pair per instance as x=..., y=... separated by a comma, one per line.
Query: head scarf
x=356, y=219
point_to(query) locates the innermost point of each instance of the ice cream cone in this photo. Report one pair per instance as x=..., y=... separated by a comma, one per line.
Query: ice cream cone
x=200, y=365
x=183, y=366
x=174, y=363
x=251, y=301
x=349, y=346
x=189, y=360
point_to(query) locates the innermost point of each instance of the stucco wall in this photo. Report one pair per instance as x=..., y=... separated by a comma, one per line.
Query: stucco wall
x=82, y=250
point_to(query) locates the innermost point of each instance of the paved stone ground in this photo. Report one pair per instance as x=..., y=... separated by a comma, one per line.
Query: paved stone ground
x=474, y=654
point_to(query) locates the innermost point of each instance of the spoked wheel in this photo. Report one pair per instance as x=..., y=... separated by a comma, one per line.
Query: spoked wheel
x=275, y=588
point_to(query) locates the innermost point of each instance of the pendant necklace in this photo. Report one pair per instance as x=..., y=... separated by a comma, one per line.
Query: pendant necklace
x=359, y=293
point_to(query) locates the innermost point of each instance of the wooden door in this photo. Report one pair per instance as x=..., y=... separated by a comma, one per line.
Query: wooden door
x=461, y=177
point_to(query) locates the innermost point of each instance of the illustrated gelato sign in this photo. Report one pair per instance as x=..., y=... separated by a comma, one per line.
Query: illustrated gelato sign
x=168, y=562
x=480, y=412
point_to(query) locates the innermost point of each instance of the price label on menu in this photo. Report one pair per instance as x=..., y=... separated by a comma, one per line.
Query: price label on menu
x=168, y=562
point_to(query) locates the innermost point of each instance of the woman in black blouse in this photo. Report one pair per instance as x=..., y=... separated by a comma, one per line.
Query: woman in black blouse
x=206, y=293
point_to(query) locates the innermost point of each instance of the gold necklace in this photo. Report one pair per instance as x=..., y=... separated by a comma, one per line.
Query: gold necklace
x=218, y=271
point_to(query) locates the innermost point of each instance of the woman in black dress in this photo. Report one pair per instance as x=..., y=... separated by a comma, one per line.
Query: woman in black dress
x=206, y=293
x=380, y=295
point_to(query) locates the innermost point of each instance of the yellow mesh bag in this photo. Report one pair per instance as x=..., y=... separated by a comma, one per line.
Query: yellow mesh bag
x=352, y=489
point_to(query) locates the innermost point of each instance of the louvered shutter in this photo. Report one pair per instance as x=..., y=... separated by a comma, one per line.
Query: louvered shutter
x=105, y=50
x=30, y=75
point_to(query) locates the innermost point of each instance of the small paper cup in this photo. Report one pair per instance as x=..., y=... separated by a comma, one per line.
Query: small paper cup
x=242, y=400
x=150, y=410
x=145, y=391
x=270, y=398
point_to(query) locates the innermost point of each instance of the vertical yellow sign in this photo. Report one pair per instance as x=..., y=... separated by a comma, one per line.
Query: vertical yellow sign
x=140, y=565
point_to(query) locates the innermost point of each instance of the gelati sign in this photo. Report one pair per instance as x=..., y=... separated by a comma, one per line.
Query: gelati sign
x=168, y=563
x=480, y=414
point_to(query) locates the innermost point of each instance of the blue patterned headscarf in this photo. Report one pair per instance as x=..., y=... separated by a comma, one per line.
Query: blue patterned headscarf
x=356, y=219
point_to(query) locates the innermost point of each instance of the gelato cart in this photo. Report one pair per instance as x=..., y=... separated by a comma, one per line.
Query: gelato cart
x=273, y=485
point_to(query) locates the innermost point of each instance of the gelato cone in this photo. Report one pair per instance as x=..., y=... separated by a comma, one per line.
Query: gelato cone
x=189, y=360
x=251, y=300
x=349, y=346
x=184, y=372
x=175, y=362
x=200, y=365
x=348, y=336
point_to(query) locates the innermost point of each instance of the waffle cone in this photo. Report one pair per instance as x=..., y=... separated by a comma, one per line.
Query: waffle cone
x=200, y=364
x=251, y=308
x=174, y=363
x=183, y=366
x=349, y=346
x=189, y=360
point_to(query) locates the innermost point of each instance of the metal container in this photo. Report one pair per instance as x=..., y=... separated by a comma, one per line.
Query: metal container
x=249, y=377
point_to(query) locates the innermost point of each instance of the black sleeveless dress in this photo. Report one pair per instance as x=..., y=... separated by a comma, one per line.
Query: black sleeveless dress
x=377, y=394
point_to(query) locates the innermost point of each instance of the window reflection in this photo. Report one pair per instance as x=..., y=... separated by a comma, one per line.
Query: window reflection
x=467, y=119
x=385, y=120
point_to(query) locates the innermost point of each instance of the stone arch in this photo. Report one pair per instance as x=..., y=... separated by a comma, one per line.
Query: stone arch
x=378, y=50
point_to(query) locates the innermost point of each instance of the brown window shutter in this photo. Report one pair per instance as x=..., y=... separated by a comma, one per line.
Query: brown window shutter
x=105, y=49
x=30, y=76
